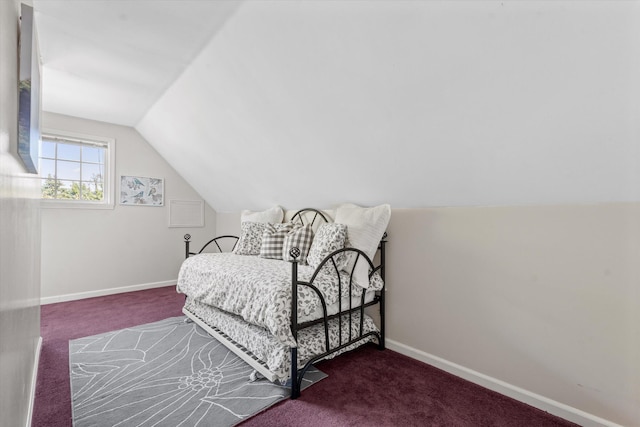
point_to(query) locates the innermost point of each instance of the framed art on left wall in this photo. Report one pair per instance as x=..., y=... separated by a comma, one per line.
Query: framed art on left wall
x=141, y=191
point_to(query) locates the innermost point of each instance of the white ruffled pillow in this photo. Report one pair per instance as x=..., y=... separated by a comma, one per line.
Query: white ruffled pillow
x=365, y=228
x=273, y=215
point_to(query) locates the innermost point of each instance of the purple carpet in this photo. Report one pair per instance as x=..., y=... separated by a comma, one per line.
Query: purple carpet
x=366, y=387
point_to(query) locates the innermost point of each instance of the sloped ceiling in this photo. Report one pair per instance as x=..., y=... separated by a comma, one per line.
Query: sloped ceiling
x=435, y=103
x=111, y=60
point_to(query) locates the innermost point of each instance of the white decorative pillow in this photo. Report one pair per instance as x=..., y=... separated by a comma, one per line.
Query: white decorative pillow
x=365, y=228
x=250, y=238
x=273, y=215
x=329, y=237
x=273, y=239
x=301, y=237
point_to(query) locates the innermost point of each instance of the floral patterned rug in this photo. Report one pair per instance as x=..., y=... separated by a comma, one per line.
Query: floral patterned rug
x=166, y=373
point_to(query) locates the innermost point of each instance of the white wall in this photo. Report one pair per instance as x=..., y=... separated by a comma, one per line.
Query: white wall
x=19, y=244
x=89, y=252
x=543, y=298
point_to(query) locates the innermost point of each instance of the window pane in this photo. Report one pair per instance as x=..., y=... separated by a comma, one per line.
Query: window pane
x=91, y=172
x=69, y=190
x=68, y=151
x=48, y=188
x=68, y=170
x=48, y=149
x=93, y=154
x=92, y=191
x=47, y=168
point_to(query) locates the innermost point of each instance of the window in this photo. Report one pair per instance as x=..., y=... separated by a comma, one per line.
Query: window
x=76, y=170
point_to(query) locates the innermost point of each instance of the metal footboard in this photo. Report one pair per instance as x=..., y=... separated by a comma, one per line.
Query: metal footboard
x=348, y=315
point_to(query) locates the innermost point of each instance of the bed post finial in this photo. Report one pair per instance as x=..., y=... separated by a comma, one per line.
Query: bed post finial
x=295, y=253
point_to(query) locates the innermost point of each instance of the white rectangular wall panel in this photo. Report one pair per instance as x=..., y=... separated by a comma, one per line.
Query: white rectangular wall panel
x=186, y=213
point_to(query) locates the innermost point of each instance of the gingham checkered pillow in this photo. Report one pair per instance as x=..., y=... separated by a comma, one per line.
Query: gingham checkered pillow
x=300, y=237
x=273, y=239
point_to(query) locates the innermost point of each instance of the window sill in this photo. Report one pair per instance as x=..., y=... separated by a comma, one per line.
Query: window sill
x=55, y=204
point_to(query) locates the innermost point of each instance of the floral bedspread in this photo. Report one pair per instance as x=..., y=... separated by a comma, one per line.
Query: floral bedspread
x=257, y=289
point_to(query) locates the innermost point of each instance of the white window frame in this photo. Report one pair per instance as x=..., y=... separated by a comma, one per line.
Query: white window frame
x=110, y=168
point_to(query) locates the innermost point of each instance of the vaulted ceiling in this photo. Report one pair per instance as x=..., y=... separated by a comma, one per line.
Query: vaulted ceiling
x=434, y=103
x=112, y=60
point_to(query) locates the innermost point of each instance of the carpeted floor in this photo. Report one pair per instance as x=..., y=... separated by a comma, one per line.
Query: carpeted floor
x=366, y=387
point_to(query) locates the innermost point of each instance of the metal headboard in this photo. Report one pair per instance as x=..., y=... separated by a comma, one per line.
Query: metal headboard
x=302, y=216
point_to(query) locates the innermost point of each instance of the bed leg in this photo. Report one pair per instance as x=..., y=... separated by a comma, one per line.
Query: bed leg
x=381, y=344
x=295, y=386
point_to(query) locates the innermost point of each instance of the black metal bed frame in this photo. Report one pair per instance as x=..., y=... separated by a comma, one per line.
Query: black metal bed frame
x=343, y=315
x=187, y=238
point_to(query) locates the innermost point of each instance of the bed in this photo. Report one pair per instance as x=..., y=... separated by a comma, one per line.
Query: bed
x=286, y=294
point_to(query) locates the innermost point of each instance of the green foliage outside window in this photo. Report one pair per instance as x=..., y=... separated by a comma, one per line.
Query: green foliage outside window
x=88, y=191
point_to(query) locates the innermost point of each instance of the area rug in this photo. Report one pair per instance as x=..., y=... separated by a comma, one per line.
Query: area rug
x=166, y=373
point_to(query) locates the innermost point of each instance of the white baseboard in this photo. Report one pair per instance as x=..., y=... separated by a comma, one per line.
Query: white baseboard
x=543, y=403
x=34, y=381
x=103, y=292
